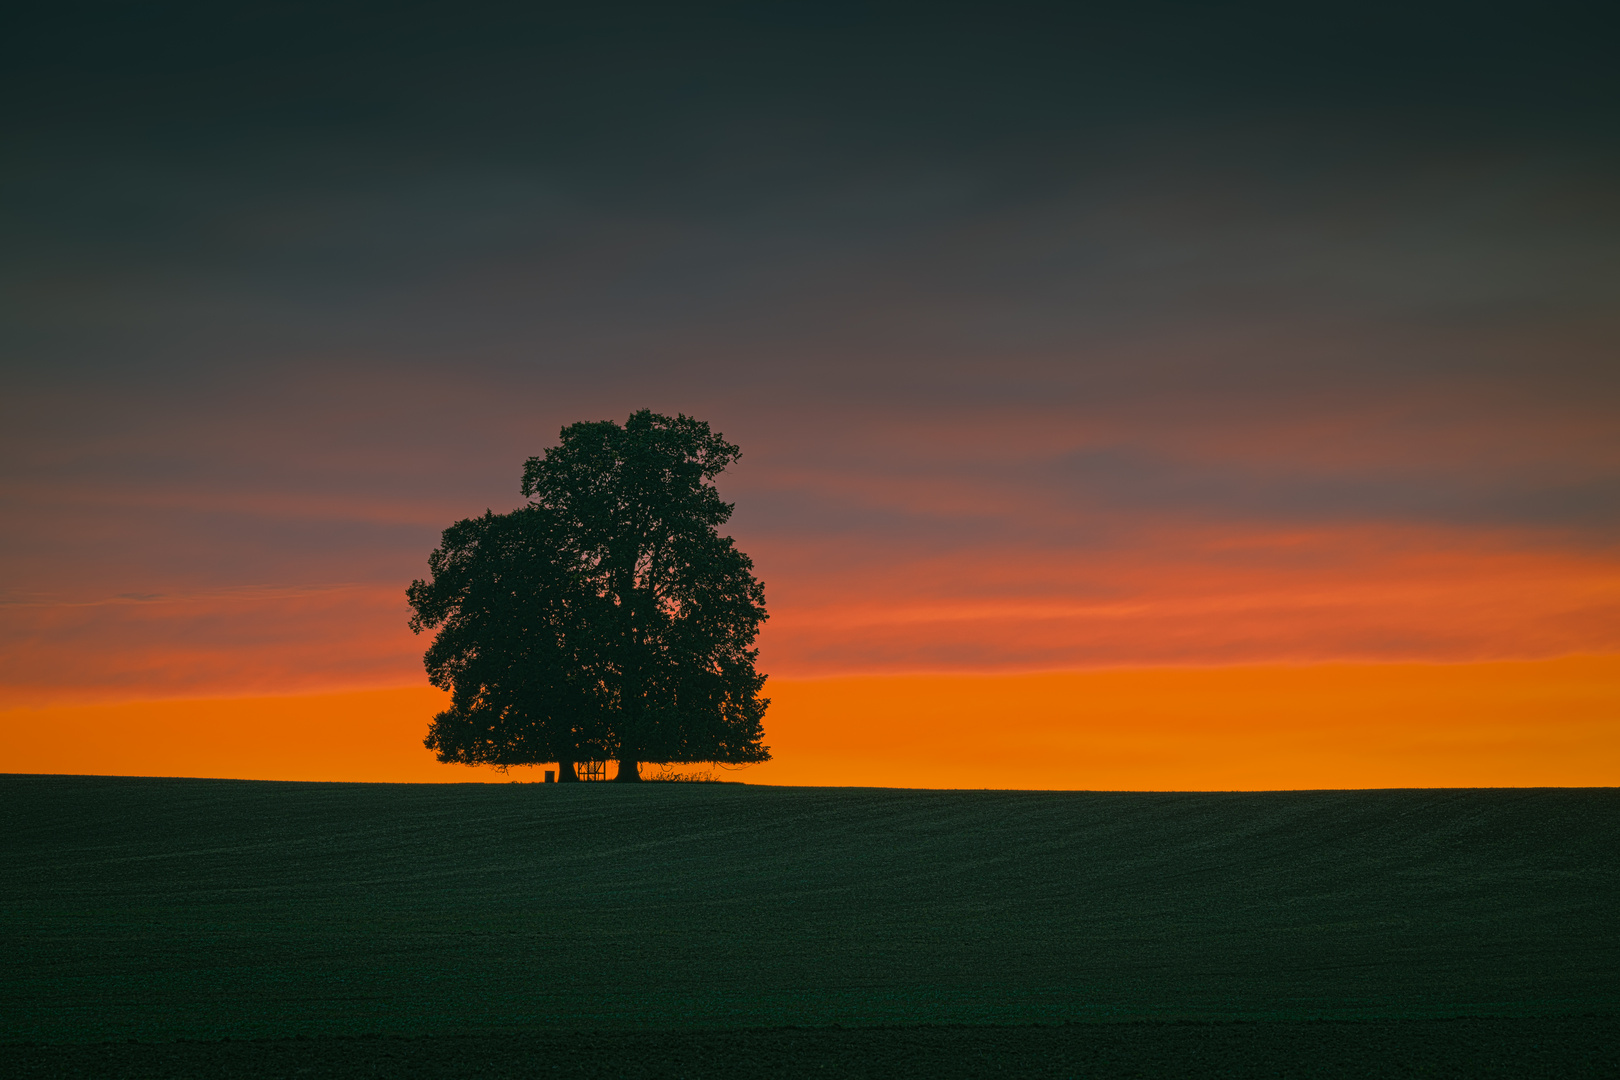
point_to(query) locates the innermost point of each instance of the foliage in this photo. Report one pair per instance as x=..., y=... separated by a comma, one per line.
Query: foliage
x=609, y=617
x=513, y=647
x=641, y=515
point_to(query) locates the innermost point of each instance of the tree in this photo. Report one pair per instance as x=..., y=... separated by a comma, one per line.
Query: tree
x=642, y=516
x=513, y=646
x=608, y=618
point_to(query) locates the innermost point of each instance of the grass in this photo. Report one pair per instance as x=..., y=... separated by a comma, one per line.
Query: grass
x=163, y=910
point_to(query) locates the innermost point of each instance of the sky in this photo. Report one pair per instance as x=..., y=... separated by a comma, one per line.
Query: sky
x=1151, y=337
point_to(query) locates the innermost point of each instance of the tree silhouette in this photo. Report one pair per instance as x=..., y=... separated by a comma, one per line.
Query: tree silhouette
x=514, y=646
x=608, y=618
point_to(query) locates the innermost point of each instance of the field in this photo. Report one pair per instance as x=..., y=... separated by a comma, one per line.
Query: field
x=722, y=929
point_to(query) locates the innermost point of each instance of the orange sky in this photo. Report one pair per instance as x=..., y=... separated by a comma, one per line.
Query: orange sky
x=1158, y=594
x=1177, y=654
x=1551, y=722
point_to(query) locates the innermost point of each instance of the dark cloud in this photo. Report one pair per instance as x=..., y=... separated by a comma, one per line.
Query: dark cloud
x=299, y=284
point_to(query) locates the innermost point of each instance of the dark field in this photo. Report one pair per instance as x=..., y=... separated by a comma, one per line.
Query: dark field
x=1513, y=1049
x=691, y=929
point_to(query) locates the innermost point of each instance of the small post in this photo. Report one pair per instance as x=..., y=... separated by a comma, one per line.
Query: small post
x=551, y=776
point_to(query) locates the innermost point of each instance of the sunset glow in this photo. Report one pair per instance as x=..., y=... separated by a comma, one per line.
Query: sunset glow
x=1547, y=723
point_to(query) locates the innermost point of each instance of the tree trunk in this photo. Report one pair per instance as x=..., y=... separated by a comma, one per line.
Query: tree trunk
x=630, y=695
x=566, y=773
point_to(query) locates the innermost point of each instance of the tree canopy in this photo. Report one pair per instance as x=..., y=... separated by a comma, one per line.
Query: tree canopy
x=608, y=618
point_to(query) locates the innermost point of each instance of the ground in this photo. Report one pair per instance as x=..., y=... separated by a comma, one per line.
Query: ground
x=693, y=929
